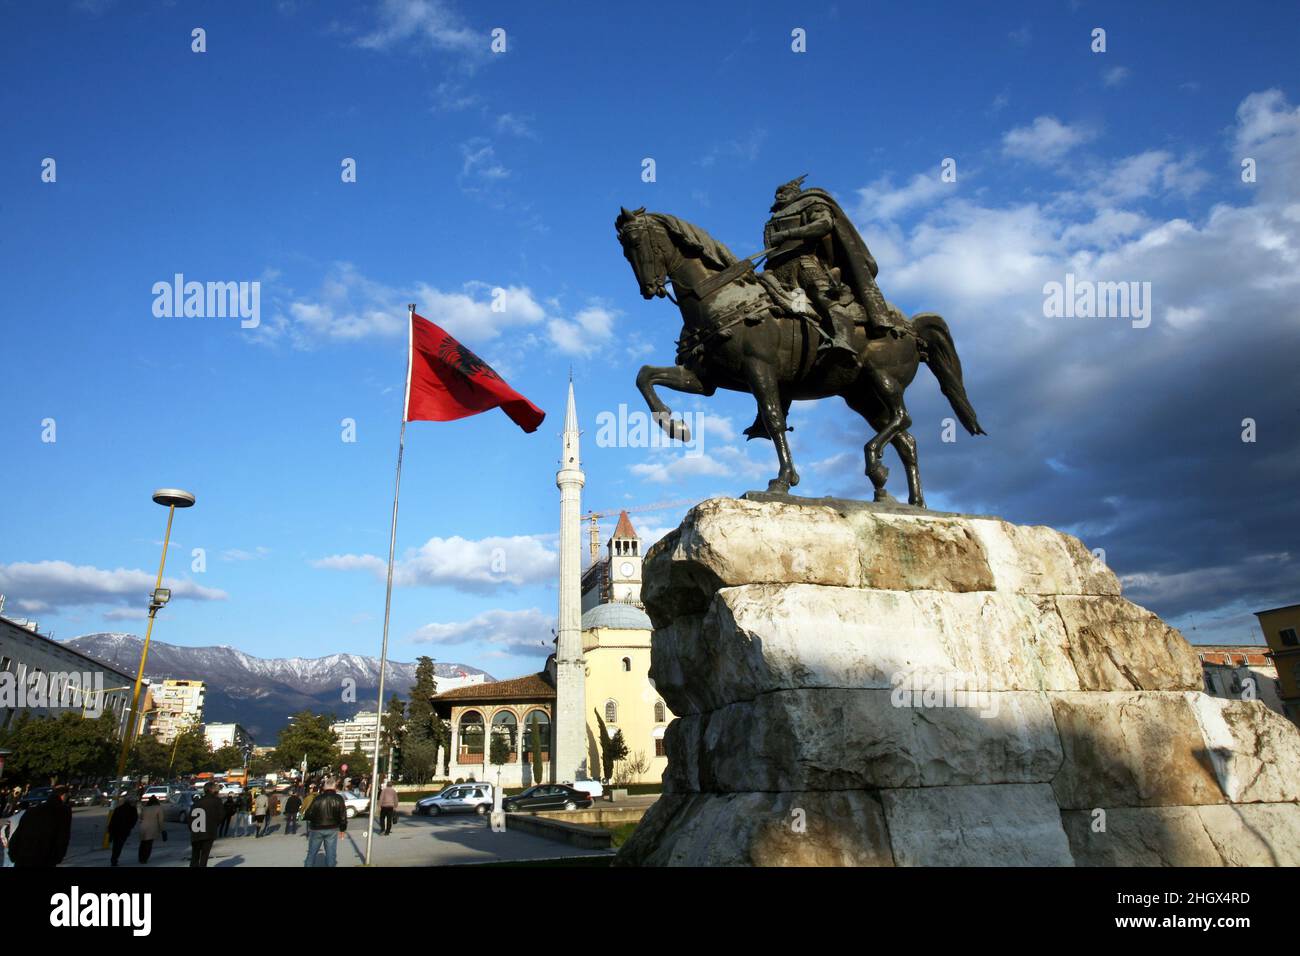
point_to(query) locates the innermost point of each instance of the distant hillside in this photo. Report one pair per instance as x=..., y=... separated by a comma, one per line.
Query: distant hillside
x=260, y=693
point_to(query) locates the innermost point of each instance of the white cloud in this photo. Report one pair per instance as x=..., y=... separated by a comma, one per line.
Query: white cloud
x=239, y=554
x=882, y=202
x=431, y=21
x=523, y=633
x=478, y=566
x=587, y=332
x=1116, y=76
x=350, y=307
x=1045, y=140
x=45, y=586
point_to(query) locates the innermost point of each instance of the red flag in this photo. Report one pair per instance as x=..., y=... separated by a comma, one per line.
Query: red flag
x=446, y=381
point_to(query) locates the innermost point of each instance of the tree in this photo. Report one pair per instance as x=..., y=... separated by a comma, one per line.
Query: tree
x=62, y=747
x=226, y=758
x=421, y=721
x=190, y=752
x=632, y=768
x=393, y=732
x=148, y=757
x=444, y=741
x=612, y=749
x=308, y=734
x=260, y=766
x=358, y=761
x=420, y=760
x=535, y=745
x=500, y=749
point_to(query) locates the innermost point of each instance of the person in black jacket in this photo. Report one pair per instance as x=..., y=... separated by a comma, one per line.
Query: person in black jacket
x=205, y=818
x=42, y=839
x=291, y=808
x=231, y=808
x=120, y=824
x=327, y=817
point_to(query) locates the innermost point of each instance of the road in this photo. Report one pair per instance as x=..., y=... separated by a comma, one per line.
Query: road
x=415, y=841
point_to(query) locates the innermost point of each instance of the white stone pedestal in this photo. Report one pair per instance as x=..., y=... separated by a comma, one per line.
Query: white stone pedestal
x=862, y=684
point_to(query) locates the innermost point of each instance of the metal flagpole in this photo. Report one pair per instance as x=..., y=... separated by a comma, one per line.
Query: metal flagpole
x=388, y=596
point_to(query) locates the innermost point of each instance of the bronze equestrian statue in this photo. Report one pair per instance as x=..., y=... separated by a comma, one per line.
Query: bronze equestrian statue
x=812, y=324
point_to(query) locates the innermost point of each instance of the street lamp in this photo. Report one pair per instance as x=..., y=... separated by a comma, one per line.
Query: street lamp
x=171, y=499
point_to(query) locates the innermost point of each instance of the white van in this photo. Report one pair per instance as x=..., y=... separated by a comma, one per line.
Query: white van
x=458, y=798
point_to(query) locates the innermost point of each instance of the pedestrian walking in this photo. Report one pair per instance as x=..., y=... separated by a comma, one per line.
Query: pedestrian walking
x=261, y=809
x=388, y=801
x=245, y=812
x=120, y=824
x=205, y=815
x=292, y=807
x=152, y=827
x=8, y=826
x=230, y=808
x=42, y=840
x=326, y=819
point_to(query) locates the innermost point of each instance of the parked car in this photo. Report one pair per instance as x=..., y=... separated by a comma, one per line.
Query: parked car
x=34, y=797
x=356, y=802
x=178, y=806
x=548, y=796
x=458, y=798
x=86, y=797
x=162, y=791
x=230, y=790
x=593, y=788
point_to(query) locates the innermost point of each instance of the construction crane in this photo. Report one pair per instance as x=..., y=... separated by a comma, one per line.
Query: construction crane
x=595, y=516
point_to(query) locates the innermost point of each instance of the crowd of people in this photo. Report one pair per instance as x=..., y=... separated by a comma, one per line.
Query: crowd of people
x=40, y=836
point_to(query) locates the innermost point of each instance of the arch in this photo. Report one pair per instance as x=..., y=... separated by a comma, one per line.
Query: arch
x=543, y=721
x=611, y=711
x=627, y=663
x=505, y=724
x=470, y=736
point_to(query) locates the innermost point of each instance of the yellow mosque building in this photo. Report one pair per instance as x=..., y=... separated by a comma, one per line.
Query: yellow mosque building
x=615, y=664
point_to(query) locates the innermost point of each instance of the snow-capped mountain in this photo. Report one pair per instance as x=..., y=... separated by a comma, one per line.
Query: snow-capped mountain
x=257, y=692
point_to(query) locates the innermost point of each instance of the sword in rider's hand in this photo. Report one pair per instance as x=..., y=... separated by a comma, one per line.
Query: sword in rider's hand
x=738, y=269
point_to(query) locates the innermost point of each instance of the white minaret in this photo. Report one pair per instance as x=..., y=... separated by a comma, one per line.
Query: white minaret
x=569, y=761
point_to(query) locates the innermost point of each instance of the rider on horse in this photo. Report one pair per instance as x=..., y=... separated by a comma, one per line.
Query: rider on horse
x=816, y=246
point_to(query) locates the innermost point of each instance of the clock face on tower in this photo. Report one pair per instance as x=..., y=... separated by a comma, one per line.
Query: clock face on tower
x=626, y=569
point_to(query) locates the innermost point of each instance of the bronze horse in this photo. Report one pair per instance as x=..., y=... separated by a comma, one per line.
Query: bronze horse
x=743, y=335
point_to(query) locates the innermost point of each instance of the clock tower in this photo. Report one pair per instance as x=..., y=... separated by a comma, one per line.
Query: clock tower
x=625, y=563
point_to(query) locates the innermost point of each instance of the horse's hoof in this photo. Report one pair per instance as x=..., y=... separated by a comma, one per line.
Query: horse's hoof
x=883, y=495
x=778, y=487
x=916, y=502
x=794, y=478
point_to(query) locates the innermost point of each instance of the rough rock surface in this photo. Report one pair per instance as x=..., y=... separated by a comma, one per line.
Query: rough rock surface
x=876, y=685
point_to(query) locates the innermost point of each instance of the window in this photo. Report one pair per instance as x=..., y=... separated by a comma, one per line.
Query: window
x=1288, y=637
x=504, y=723
x=471, y=737
x=659, y=747
x=611, y=711
x=627, y=663
x=660, y=714
x=542, y=722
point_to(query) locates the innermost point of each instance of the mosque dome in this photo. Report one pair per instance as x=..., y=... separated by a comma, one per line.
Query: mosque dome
x=626, y=616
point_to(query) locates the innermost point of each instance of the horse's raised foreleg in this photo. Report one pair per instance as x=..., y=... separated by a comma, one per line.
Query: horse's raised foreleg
x=771, y=409
x=678, y=379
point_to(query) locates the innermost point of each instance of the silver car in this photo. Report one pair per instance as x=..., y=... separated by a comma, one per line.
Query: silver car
x=460, y=798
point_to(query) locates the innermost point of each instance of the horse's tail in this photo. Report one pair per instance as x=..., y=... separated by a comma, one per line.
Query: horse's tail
x=941, y=355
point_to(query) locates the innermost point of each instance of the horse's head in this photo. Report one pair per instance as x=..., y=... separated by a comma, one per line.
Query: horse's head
x=644, y=244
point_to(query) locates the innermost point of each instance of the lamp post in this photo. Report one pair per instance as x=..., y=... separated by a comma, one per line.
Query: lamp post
x=171, y=498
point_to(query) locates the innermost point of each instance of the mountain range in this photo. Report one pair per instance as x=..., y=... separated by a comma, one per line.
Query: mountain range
x=257, y=692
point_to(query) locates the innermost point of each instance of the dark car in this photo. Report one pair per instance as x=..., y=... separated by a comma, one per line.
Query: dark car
x=35, y=797
x=548, y=796
x=86, y=797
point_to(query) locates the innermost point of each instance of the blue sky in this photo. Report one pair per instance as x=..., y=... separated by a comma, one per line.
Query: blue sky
x=478, y=171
